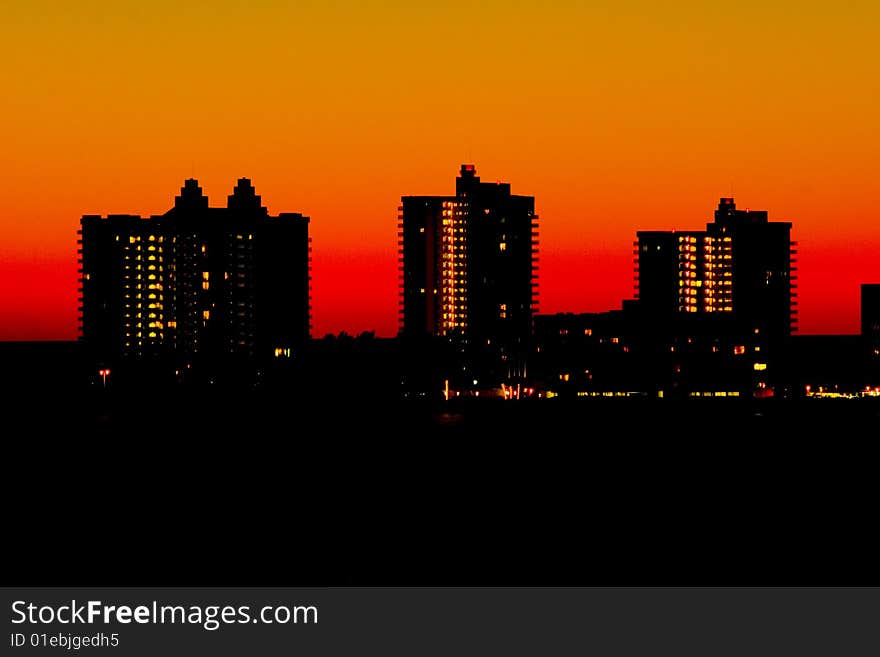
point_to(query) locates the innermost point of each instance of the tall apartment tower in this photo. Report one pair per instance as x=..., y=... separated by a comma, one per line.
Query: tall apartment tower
x=229, y=282
x=738, y=275
x=469, y=264
x=870, y=320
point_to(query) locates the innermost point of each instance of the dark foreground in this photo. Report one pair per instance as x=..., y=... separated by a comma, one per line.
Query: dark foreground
x=256, y=488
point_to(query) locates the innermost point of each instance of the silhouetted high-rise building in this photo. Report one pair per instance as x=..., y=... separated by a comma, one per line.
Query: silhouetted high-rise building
x=870, y=310
x=221, y=283
x=737, y=275
x=870, y=314
x=469, y=264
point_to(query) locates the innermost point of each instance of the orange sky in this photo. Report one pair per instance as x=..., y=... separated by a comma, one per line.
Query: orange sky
x=633, y=115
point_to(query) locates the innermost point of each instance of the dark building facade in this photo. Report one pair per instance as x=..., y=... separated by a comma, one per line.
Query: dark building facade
x=469, y=265
x=737, y=277
x=870, y=333
x=227, y=283
x=870, y=311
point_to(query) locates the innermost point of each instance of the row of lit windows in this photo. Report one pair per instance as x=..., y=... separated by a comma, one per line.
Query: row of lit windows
x=150, y=334
x=135, y=239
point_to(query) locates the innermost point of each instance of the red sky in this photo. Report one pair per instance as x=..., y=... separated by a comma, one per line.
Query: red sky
x=618, y=118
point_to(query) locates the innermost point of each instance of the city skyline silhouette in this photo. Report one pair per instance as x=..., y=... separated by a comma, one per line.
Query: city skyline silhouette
x=557, y=304
x=615, y=118
x=204, y=295
x=582, y=371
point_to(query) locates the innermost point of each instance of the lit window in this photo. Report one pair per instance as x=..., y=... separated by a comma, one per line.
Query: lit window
x=760, y=367
x=502, y=246
x=206, y=314
x=739, y=350
x=206, y=285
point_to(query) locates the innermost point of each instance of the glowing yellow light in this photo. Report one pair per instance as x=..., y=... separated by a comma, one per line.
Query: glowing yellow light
x=760, y=367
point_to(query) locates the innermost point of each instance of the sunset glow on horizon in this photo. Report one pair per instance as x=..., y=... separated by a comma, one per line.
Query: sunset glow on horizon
x=619, y=118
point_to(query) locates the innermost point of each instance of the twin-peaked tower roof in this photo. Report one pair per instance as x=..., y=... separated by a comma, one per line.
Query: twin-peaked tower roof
x=244, y=198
